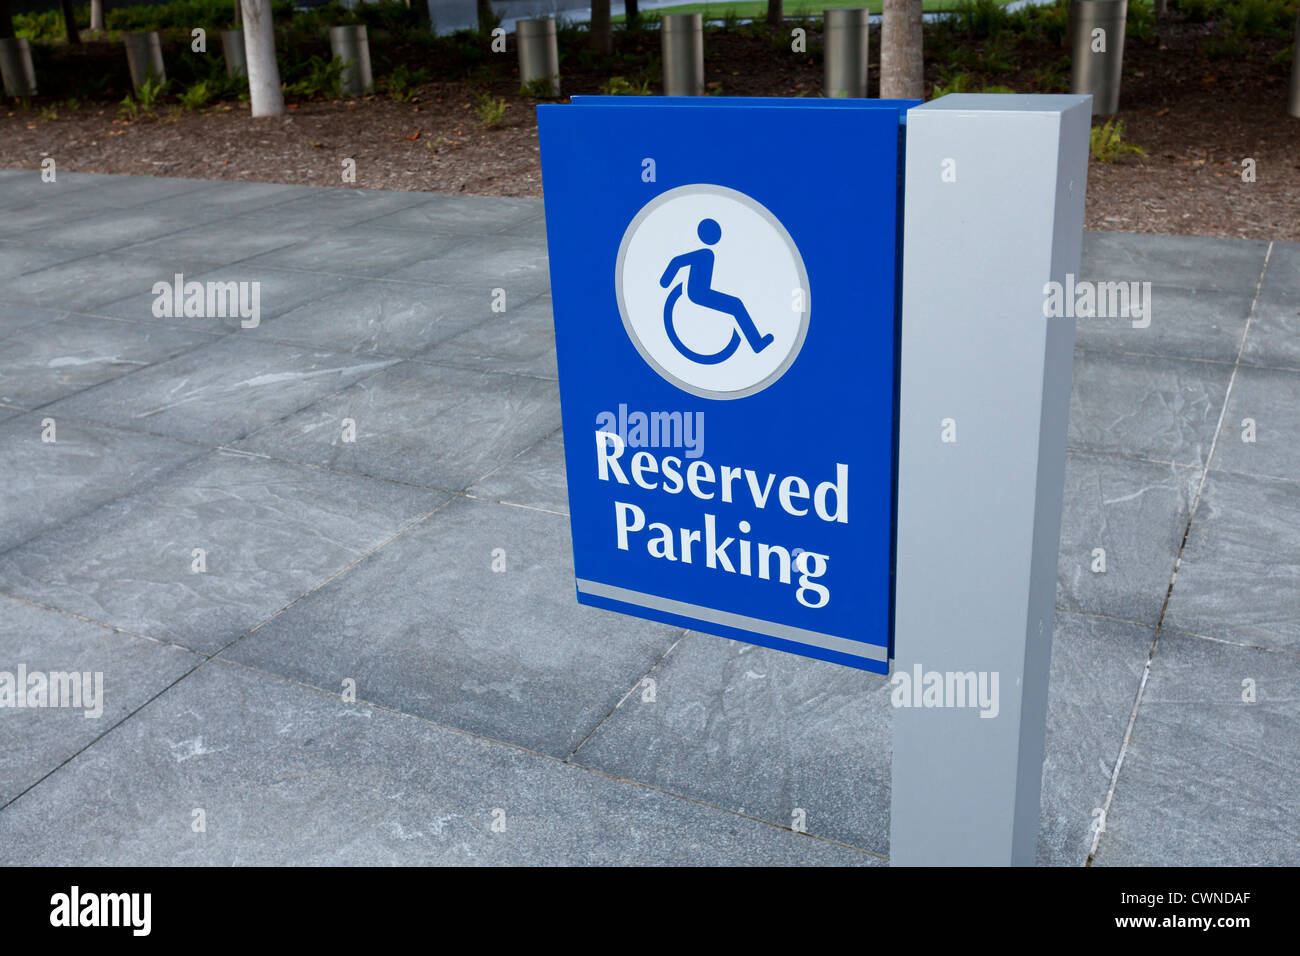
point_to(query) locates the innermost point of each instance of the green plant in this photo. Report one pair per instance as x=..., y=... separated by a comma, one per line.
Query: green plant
x=979, y=19
x=151, y=90
x=197, y=96
x=128, y=109
x=1195, y=11
x=1106, y=143
x=730, y=20
x=620, y=86
x=323, y=78
x=490, y=110
x=1260, y=18
x=956, y=83
x=1230, y=45
x=538, y=89
x=403, y=84
x=1140, y=23
x=1051, y=79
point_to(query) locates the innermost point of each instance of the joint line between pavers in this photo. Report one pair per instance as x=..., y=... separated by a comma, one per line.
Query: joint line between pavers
x=1178, y=560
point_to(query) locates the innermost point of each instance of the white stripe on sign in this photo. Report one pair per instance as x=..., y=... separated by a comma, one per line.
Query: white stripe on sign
x=828, y=642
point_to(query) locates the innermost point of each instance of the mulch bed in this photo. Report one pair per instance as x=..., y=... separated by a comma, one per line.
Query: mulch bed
x=1197, y=116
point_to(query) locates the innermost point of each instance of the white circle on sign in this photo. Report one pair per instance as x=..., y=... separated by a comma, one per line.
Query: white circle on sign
x=712, y=291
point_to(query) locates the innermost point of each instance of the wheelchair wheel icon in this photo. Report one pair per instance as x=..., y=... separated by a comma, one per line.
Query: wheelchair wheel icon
x=711, y=359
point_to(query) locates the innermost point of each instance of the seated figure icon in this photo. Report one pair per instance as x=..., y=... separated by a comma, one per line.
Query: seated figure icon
x=699, y=290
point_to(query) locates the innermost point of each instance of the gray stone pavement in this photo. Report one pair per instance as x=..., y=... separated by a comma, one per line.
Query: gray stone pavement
x=486, y=697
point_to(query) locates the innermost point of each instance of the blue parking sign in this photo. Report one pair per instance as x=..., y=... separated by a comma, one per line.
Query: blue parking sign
x=724, y=285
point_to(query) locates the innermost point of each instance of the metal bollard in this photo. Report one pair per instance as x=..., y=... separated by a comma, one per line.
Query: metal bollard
x=351, y=45
x=232, y=48
x=539, y=54
x=1293, y=105
x=1097, y=51
x=847, y=51
x=144, y=57
x=682, y=35
x=16, y=67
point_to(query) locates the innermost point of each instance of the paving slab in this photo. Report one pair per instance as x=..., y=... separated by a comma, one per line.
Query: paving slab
x=517, y=265
x=83, y=284
x=1237, y=580
x=461, y=216
x=1136, y=512
x=426, y=626
x=1189, y=262
x=1270, y=398
x=36, y=741
x=16, y=315
x=1184, y=323
x=534, y=479
x=61, y=358
x=279, y=291
x=110, y=229
x=262, y=757
x=426, y=424
x=520, y=341
x=380, y=317
x=219, y=393
x=356, y=251
x=270, y=532
x=335, y=208
x=212, y=245
x=72, y=196
x=48, y=483
x=19, y=257
x=1146, y=407
x=1274, y=337
x=1210, y=777
x=222, y=200
x=766, y=733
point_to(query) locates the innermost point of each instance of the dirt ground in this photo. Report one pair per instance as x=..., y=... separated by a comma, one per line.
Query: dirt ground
x=1196, y=117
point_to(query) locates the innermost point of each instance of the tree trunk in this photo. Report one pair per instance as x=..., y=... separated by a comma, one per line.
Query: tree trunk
x=6, y=20
x=775, y=12
x=70, y=22
x=487, y=17
x=602, y=40
x=97, y=16
x=239, y=19
x=902, y=63
x=259, y=50
x=631, y=12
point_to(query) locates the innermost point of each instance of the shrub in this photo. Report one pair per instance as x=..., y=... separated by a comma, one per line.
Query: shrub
x=490, y=110
x=1106, y=143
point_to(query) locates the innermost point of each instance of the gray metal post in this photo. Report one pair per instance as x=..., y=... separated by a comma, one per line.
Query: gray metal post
x=847, y=52
x=539, y=54
x=993, y=212
x=144, y=58
x=682, y=36
x=351, y=45
x=16, y=67
x=232, y=48
x=1293, y=102
x=1097, y=51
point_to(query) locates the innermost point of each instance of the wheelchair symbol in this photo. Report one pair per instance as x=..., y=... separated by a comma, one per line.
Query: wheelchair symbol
x=699, y=290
